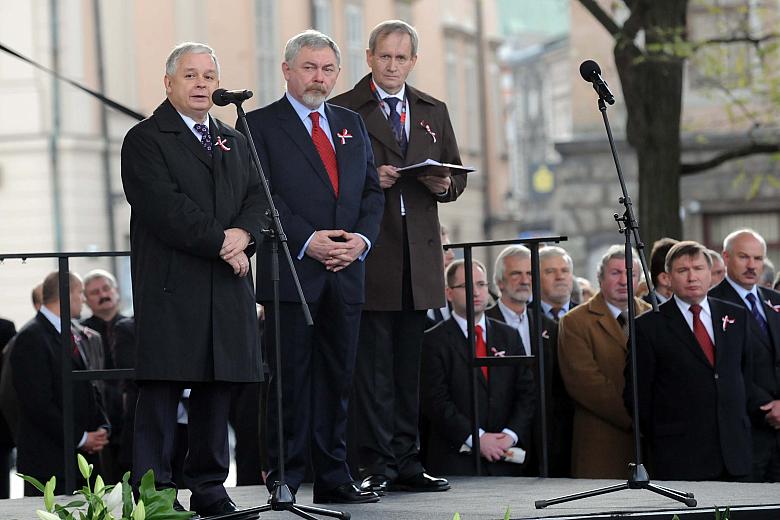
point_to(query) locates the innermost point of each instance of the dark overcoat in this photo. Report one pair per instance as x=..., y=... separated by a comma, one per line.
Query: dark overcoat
x=195, y=319
x=384, y=266
x=36, y=365
x=694, y=415
x=506, y=400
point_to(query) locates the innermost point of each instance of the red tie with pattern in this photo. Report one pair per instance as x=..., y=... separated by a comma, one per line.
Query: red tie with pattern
x=481, y=348
x=325, y=149
x=701, y=334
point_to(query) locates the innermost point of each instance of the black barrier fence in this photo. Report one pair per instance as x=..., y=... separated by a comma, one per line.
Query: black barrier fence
x=536, y=339
x=69, y=375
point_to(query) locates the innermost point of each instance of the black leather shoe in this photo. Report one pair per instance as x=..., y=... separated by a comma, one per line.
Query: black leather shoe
x=422, y=482
x=345, y=494
x=219, y=507
x=376, y=483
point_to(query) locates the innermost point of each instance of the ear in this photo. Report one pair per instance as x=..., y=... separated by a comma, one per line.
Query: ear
x=663, y=279
x=167, y=83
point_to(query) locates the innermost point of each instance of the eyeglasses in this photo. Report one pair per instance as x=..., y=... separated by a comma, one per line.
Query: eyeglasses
x=479, y=286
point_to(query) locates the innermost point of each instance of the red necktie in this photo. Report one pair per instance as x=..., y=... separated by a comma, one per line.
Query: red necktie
x=701, y=334
x=481, y=348
x=325, y=149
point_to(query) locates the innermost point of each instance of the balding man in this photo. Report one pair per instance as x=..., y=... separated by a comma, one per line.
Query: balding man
x=744, y=253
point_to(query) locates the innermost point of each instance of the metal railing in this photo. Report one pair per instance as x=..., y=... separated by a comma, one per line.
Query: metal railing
x=68, y=374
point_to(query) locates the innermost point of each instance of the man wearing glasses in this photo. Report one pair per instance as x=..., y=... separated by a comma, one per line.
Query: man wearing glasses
x=505, y=418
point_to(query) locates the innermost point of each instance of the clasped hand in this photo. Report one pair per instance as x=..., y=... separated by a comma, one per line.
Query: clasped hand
x=232, y=252
x=493, y=446
x=772, y=409
x=335, y=248
x=96, y=441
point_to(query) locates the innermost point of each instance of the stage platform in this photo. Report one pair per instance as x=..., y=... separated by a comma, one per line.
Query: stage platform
x=489, y=497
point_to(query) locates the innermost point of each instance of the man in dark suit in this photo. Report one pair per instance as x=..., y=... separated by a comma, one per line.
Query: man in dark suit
x=7, y=331
x=318, y=160
x=37, y=357
x=197, y=208
x=406, y=127
x=512, y=276
x=693, y=369
x=557, y=281
x=102, y=297
x=744, y=254
x=507, y=395
x=657, y=273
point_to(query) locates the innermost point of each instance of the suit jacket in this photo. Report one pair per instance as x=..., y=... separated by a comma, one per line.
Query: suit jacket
x=7, y=331
x=304, y=196
x=765, y=351
x=559, y=405
x=693, y=414
x=36, y=356
x=384, y=268
x=592, y=353
x=188, y=303
x=507, y=400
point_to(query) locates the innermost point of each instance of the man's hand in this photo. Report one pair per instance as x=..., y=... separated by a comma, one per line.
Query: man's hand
x=772, y=409
x=346, y=252
x=493, y=446
x=387, y=175
x=323, y=243
x=240, y=264
x=236, y=240
x=96, y=441
x=436, y=185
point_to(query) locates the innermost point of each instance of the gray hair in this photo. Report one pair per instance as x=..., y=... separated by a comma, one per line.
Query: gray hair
x=614, y=251
x=715, y=256
x=390, y=27
x=188, y=48
x=767, y=277
x=745, y=231
x=311, y=39
x=509, y=252
x=553, y=251
x=99, y=273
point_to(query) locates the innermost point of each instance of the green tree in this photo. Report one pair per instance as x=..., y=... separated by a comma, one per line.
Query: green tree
x=651, y=49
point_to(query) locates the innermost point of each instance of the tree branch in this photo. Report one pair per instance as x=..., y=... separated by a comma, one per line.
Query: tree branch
x=745, y=38
x=602, y=16
x=729, y=155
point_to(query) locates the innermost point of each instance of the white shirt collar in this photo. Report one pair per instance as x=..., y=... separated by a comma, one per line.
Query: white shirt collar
x=53, y=318
x=685, y=307
x=383, y=94
x=509, y=313
x=742, y=292
x=303, y=111
x=614, y=310
x=463, y=324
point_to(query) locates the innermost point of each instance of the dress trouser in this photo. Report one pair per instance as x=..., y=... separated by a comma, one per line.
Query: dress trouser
x=208, y=459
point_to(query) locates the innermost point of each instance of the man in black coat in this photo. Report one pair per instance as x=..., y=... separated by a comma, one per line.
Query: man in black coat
x=507, y=394
x=744, y=252
x=694, y=374
x=197, y=208
x=7, y=331
x=512, y=276
x=37, y=356
x=320, y=167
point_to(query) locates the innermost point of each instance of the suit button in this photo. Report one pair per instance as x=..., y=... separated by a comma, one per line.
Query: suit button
x=716, y=377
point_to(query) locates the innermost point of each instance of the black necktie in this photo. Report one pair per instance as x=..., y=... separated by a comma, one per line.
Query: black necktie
x=395, y=121
x=751, y=298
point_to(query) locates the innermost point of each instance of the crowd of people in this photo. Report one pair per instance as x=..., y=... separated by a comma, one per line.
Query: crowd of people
x=377, y=392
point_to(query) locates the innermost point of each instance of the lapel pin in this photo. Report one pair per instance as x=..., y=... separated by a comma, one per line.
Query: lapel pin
x=727, y=321
x=344, y=135
x=427, y=127
x=222, y=143
x=775, y=308
x=498, y=353
x=545, y=334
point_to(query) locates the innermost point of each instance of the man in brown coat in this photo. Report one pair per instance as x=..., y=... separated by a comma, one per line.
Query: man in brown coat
x=592, y=355
x=404, y=272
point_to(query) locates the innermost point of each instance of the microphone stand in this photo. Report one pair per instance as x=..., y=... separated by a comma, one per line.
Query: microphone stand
x=629, y=227
x=282, y=498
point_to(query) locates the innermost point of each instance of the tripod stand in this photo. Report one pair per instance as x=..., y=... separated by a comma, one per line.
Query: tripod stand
x=628, y=226
x=282, y=498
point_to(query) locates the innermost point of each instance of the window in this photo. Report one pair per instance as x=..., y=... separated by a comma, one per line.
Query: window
x=266, y=53
x=322, y=11
x=355, y=62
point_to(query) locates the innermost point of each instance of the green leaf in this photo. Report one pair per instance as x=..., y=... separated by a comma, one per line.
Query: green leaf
x=34, y=481
x=456, y=516
x=48, y=493
x=139, y=513
x=99, y=484
x=45, y=515
x=127, y=496
x=506, y=513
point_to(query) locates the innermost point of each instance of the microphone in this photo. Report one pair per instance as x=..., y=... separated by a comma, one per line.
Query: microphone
x=591, y=72
x=222, y=97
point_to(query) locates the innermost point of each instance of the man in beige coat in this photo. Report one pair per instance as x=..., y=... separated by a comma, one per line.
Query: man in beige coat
x=592, y=355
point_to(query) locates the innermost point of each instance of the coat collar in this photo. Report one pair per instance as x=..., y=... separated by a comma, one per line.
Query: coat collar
x=598, y=306
x=680, y=329
x=169, y=120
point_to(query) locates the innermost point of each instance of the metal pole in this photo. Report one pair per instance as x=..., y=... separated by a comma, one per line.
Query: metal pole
x=55, y=127
x=66, y=371
x=484, y=138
